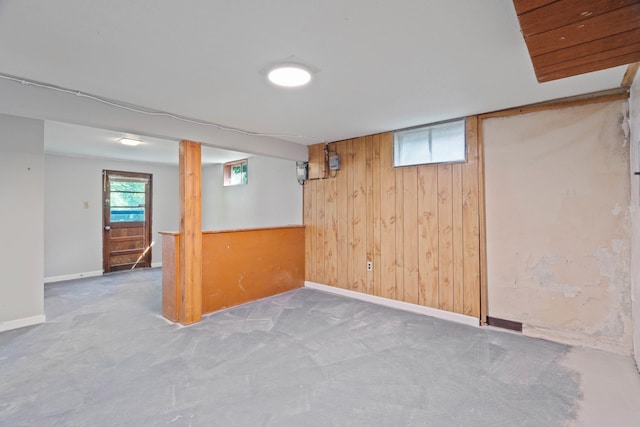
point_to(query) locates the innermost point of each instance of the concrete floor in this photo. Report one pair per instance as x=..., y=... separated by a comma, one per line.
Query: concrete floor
x=106, y=357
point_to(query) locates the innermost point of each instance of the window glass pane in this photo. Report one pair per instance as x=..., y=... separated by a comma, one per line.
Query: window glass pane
x=440, y=143
x=235, y=173
x=120, y=199
x=448, y=143
x=127, y=206
x=127, y=186
x=127, y=214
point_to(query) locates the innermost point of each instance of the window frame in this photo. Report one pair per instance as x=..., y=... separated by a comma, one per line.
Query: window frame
x=227, y=173
x=429, y=126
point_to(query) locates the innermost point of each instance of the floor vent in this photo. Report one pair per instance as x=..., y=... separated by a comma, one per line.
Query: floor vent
x=505, y=324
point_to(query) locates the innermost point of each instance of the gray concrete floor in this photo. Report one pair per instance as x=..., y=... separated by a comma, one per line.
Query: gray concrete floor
x=106, y=357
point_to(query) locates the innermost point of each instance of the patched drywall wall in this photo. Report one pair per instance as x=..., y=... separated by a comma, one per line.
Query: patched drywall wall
x=634, y=137
x=558, y=224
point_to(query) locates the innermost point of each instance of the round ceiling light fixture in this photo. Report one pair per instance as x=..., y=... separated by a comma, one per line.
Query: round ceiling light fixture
x=289, y=75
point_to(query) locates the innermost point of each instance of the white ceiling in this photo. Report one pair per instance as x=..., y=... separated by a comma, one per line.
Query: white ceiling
x=380, y=65
x=75, y=140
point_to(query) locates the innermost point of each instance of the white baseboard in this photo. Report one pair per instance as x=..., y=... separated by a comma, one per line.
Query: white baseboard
x=21, y=323
x=400, y=305
x=53, y=279
x=156, y=264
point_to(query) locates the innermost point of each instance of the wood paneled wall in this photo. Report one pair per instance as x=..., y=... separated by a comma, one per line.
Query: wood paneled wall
x=418, y=225
x=238, y=266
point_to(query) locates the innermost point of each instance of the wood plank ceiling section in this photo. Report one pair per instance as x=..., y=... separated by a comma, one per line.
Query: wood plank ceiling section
x=570, y=37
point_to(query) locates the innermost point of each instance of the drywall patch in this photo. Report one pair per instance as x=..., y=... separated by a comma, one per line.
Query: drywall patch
x=544, y=273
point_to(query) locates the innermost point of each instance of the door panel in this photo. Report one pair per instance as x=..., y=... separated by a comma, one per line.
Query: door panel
x=126, y=220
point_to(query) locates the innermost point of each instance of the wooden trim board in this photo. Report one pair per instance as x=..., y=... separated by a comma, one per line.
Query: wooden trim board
x=21, y=323
x=504, y=324
x=619, y=93
x=54, y=279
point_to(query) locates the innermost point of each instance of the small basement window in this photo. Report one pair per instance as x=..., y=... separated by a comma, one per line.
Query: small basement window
x=235, y=173
x=435, y=143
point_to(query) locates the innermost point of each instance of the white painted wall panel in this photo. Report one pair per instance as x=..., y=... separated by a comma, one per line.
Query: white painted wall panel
x=271, y=198
x=21, y=221
x=73, y=233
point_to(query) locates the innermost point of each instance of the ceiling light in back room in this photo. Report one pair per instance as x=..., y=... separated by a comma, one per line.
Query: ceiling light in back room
x=289, y=75
x=129, y=141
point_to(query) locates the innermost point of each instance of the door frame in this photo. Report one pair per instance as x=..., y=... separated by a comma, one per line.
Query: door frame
x=106, y=215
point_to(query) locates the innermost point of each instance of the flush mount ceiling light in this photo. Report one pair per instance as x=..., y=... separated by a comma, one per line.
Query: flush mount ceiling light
x=129, y=141
x=289, y=75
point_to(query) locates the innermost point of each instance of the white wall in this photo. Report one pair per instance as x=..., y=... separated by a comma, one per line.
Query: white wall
x=21, y=221
x=634, y=125
x=558, y=225
x=271, y=198
x=73, y=234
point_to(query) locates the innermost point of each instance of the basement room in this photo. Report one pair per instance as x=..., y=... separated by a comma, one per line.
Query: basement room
x=338, y=213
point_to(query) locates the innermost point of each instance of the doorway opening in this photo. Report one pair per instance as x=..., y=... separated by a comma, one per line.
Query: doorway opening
x=126, y=220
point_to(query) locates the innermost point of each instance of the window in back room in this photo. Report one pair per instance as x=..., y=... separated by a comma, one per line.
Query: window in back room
x=235, y=173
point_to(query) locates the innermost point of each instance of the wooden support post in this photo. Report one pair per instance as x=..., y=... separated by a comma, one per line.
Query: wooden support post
x=191, y=233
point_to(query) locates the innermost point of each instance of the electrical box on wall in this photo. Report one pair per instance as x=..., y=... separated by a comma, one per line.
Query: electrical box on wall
x=302, y=171
x=334, y=162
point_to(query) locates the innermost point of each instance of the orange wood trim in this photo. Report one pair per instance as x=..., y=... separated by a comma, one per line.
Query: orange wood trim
x=620, y=93
x=191, y=232
x=630, y=75
x=247, y=265
x=249, y=230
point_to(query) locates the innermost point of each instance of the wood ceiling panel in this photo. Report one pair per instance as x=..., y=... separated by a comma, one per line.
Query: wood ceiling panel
x=548, y=75
x=570, y=37
x=561, y=13
x=597, y=27
x=523, y=6
x=588, y=49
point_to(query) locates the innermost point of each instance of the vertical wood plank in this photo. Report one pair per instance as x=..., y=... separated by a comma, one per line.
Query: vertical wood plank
x=399, y=220
x=428, y=235
x=307, y=219
x=368, y=141
x=331, y=231
x=343, y=215
x=320, y=231
x=349, y=168
x=482, y=227
x=445, y=238
x=190, y=172
x=314, y=231
x=359, y=219
x=317, y=161
x=377, y=271
x=470, y=222
x=387, y=218
x=410, y=212
x=458, y=257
